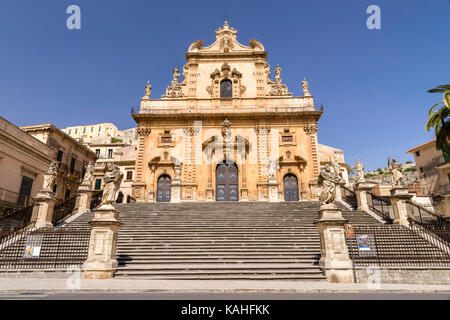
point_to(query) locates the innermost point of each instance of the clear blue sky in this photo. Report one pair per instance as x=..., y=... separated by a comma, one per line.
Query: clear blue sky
x=372, y=83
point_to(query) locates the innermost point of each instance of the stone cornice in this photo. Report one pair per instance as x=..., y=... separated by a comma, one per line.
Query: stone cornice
x=24, y=147
x=219, y=114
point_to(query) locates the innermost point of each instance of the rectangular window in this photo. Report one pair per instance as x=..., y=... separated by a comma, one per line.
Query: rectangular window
x=76, y=130
x=421, y=169
x=97, y=153
x=166, y=139
x=99, y=129
x=70, y=130
x=25, y=191
x=129, y=175
x=110, y=153
x=287, y=138
x=72, y=165
x=92, y=129
x=84, y=130
x=98, y=184
x=417, y=153
x=67, y=195
x=60, y=156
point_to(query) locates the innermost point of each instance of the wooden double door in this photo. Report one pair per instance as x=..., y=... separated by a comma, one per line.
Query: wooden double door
x=227, y=186
x=163, y=188
x=290, y=184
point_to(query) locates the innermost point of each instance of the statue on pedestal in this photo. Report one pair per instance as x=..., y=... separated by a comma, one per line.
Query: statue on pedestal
x=88, y=175
x=305, y=86
x=112, y=179
x=272, y=168
x=177, y=172
x=148, y=90
x=396, y=170
x=328, y=179
x=359, y=167
x=50, y=176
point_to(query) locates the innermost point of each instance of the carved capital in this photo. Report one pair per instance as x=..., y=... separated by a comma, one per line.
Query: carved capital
x=310, y=129
x=143, y=131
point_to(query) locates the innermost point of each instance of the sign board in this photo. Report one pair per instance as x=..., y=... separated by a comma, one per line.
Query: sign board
x=366, y=245
x=349, y=231
x=33, y=245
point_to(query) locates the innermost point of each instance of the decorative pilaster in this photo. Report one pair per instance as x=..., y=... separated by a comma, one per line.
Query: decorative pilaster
x=139, y=183
x=311, y=131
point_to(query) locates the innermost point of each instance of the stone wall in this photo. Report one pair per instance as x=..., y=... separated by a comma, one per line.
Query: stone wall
x=404, y=275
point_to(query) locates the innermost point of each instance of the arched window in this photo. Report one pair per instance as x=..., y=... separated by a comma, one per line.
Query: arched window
x=226, y=89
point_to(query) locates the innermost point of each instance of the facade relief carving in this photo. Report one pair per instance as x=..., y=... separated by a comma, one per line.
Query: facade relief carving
x=225, y=73
x=175, y=90
x=277, y=86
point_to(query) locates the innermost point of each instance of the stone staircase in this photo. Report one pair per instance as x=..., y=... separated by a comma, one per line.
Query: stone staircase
x=253, y=240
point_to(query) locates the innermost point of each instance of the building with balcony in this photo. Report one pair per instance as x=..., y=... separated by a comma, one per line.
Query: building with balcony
x=434, y=174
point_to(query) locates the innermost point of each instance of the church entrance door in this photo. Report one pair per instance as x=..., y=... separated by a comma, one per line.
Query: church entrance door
x=163, y=191
x=227, y=182
x=290, y=187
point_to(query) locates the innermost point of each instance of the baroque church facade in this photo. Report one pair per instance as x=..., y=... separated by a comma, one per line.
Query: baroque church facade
x=227, y=131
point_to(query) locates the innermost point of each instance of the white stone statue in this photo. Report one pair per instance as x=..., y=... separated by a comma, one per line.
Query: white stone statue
x=176, y=74
x=335, y=166
x=277, y=72
x=327, y=179
x=50, y=176
x=272, y=168
x=112, y=179
x=89, y=174
x=396, y=170
x=148, y=90
x=359, y=167
x=177, y=172
x=305, y=86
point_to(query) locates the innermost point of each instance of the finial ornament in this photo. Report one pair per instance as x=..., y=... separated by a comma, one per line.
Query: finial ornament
x=305, y=86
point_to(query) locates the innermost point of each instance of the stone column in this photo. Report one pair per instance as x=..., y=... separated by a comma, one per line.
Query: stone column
x=83, y=201
x=101, y=262
x=361, y=190
x=335, y=260
x=43, y=210
x=399, y=197
x=273, y=190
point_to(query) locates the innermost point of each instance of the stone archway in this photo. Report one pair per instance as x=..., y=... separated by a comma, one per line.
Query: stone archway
x=163, y=188
x=227, y=182
x=290, y=184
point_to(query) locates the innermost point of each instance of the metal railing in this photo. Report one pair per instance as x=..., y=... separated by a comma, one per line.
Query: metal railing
x=349, y=196
x=420, y=214
x=380, y=206
x=45, y=248
x=15, y=221
x=394, y=245
x=63, y=210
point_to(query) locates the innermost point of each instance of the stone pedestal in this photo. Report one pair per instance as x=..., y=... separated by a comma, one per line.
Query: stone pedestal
x=43, y=211
x=139, y=191
x=399, y=197
x=339, y=191
x=209, y=194
x=335, y=260
x=101, y=262
x=244, y=195
x=83, y=201
x=273, y=190
x=175, y=191
x=447, y=205
x=361, y=190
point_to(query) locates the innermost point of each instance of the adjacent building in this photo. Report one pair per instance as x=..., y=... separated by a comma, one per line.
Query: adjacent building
x=89, y=132
x=71, y=155
x=23, y=161
x=434, y=174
